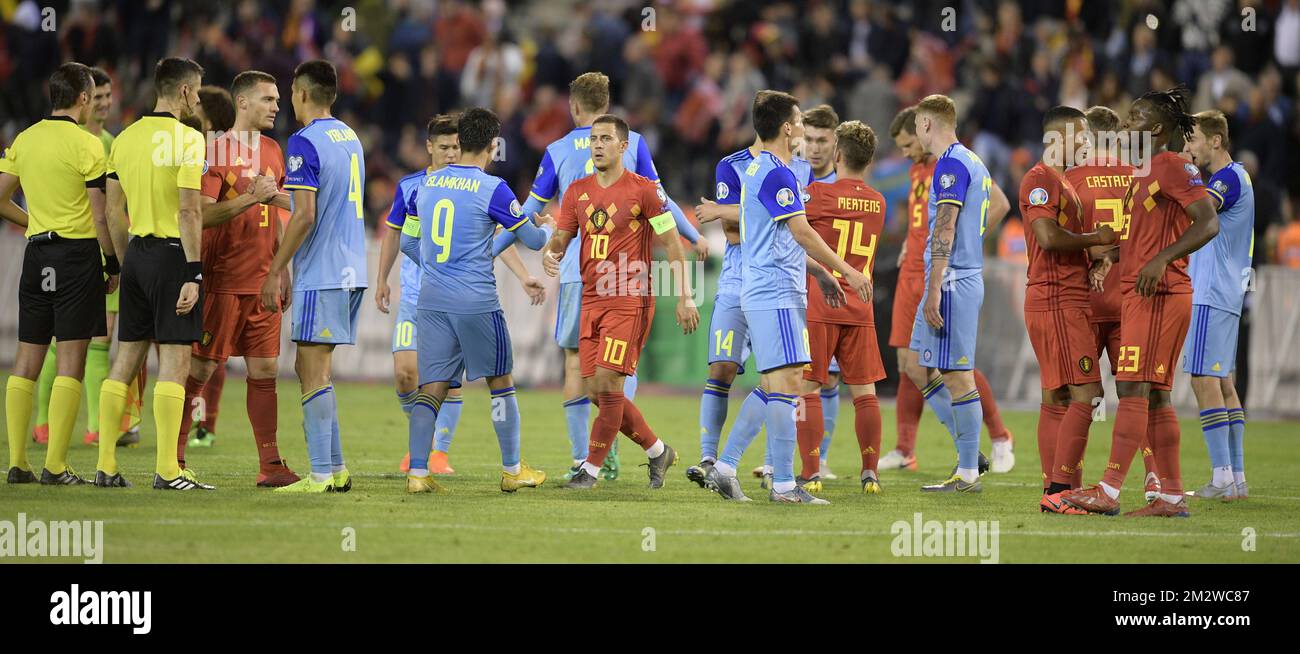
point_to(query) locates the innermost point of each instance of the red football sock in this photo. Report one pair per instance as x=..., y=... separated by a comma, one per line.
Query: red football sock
x=635, y=427
x=193, y=388
x=1049, y=425
x=1149, y=455
x=809, y=428
x=263, y=415
x=605, y=428
x=992, y=419
x=212, y=398
x=1071, y=441
x=1165, y=438
x=907, y=414
x=1130, y=429
x=866, y=422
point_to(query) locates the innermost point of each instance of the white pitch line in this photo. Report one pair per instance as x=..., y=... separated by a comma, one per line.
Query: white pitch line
x=674, y=532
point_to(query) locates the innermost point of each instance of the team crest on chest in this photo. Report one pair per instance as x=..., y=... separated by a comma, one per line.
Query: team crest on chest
x=600, y=219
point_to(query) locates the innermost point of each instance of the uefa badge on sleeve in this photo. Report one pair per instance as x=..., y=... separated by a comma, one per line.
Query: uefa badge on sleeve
x=295, y=162
x=785, y=197
x=723, y=191
x=947, y=180
x=1038, y=196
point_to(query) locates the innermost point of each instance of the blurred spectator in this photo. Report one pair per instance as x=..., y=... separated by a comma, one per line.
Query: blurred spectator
x=1222, y=79
x=1011, y=241
x=1288, y=239
x=1286, y=37
x=993, y=120
x=492, y=68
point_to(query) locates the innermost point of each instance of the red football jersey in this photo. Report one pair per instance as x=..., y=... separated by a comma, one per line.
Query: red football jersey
x=237, y=254
x=918, y=216
x=1059, y=279
x=616, y=237
x=849, y=215
x=1157, y=203
x=1101, y=191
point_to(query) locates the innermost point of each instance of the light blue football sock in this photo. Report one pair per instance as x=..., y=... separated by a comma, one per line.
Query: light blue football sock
x=1215, y=429
x=830, y=411
x=407, y=400
x=969, y=416
x=713, y=414
x=445, y=428
x=577, y=414
x=629, y=388
x=424, y=415
x=505, y=420
x=750, y=419
x=336, y=442
x=318, y=425
x=781, y=429
x=1237, y=439
x=939, y=400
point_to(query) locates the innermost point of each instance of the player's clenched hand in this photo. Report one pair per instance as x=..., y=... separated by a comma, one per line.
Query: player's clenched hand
x=931, y=311
x=1106, y=235
x=707, y=211
x=551, y=263
x=383, y=295
x=264, y=188
x=536, y=292
x=110, y=284
x=687, y=315
x=543, y=219
x=860, y=285
x=271, y=294
x=1148, y=281
x=189, y=296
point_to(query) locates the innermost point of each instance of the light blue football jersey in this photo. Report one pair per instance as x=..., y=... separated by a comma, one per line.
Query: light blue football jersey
x=961, y=179
x=829, y=178
x=772, y=270
x=459, y=208
x=727, y=176
x=326, y=157
x=404, y=206
x=1220, y=271
x=567, y=160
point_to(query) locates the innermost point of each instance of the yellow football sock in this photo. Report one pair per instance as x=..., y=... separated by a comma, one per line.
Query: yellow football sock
x=112, y=402
x=18, y=412
x=168, y=407
x=65, y=403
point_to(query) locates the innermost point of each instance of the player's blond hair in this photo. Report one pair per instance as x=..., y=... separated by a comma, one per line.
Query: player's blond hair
x=857, y=142
x=822, y=117
x=938, y=107
x=590, y=91
x=1213, y=123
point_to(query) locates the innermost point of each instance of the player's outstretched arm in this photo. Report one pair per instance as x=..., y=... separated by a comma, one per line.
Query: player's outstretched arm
x=1052, y=237
x=216, y=213
x=388, y=247
x=816, y=248
x=683, y=224
x=554, y=251
x=8, y=210
x=1204, y=227
x=532, y=286
x=300, y=225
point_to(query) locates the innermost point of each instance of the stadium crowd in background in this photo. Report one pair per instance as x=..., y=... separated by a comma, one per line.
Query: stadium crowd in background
x=687, y=83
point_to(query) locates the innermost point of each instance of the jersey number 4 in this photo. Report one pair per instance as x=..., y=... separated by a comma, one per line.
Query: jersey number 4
x=354, y=185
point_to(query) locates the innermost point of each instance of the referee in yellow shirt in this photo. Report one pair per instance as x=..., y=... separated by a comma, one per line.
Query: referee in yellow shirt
x=154, y=173
x=61, y=294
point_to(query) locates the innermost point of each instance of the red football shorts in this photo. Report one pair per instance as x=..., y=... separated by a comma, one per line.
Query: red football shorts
x=1108, y=340
x=907, y=299
x=237, y=326
x=613, y=337
x=853, y=346
x=1066, y=346
x=1152, y=330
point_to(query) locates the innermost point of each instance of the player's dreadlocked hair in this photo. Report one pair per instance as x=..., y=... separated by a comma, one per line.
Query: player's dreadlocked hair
x=1172, y=105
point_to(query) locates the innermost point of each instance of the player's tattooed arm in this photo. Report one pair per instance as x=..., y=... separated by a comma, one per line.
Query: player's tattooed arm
x=812, y=243
x=1052, y=237
x=941, y=240
x=688, y=316
x=1204, y=227
x=301, y=223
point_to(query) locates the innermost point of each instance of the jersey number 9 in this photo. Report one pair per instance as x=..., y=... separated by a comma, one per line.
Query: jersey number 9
x=444, y=213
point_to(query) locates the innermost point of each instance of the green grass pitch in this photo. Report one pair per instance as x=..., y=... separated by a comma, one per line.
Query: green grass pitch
x=476, y=522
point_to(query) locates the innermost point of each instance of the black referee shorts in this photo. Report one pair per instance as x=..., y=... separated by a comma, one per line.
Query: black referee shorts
x=61, y=294
x=152, y=275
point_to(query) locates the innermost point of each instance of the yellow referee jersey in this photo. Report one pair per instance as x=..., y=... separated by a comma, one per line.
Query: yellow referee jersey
x=56, y=160
x=153, y=159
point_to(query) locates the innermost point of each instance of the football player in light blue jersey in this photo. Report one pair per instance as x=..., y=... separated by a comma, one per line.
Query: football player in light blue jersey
x=776, y=241
x=1221, y=273
x=566, y=160
x=948, y=321
x=444, y=148
x=461, y=329
x=326, y=239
